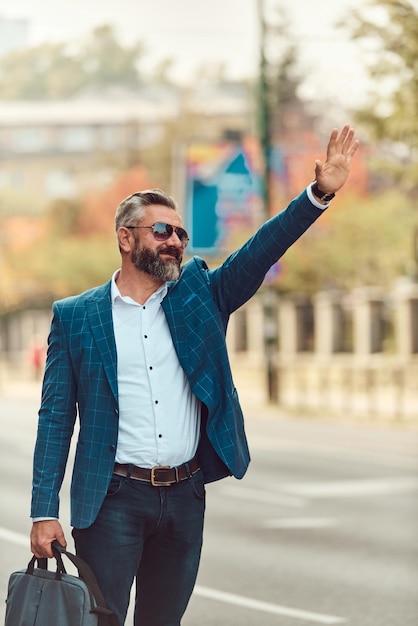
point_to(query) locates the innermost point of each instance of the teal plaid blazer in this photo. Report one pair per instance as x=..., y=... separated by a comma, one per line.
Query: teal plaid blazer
x=81, y=371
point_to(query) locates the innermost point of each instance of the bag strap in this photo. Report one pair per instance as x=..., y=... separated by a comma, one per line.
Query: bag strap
x=106, y=616
x=43, y=564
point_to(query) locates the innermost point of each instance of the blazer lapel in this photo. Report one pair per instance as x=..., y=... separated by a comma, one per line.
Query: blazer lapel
x=174, y=312
x=99, y=312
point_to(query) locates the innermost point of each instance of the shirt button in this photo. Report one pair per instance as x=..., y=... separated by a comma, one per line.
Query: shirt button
x=145, y=336
x=150, y=367
x=160, y=436
x=156, y=401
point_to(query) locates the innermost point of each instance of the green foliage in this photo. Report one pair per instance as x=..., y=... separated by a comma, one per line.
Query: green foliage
x=104, y=61
x=59, y=267
x=18, y=202
x=389, y=31
x=60, y=70
x=360, y=241
x=45, y=71
x=63, y=217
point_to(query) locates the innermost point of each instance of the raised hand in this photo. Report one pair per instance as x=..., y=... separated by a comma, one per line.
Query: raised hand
x=341, y=148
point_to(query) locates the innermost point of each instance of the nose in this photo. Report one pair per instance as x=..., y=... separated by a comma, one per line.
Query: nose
x=174, y=238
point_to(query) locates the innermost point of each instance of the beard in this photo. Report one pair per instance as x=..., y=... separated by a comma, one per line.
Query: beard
x=150, y=262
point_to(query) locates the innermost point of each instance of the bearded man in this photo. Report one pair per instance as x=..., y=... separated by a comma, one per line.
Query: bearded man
x=143, y=362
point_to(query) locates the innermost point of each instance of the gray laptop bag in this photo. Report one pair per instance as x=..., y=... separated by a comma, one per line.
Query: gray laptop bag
x=38, y=597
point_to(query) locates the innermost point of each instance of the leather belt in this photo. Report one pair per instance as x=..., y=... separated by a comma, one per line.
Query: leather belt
x=160, y=475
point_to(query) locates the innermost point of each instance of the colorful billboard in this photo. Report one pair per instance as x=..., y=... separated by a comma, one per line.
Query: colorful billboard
x=223, y=195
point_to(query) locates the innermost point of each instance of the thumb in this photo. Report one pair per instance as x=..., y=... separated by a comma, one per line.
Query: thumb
x=318, y=168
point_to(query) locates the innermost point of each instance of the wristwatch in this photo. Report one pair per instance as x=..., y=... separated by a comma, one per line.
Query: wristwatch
x=324, y=197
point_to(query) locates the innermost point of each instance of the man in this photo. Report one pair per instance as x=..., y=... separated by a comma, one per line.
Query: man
x=143, y=361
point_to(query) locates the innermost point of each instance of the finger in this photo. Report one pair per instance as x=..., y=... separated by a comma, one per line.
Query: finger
x=345, y=131
x=354, y=148
x=332, y=141
x=61, y=539
x=41, y=552
x=347, y=141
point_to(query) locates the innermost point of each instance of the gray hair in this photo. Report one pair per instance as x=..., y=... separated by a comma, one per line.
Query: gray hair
x=132, y=208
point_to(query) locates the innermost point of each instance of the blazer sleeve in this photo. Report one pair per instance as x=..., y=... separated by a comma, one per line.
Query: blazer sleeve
x=239, y=277
x=56, y=423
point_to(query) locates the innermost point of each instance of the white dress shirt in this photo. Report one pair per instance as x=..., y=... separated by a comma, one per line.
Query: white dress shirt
x=159, y=417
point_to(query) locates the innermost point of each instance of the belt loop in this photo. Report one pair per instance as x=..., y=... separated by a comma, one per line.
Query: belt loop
x=129, y=471
x=188, y=471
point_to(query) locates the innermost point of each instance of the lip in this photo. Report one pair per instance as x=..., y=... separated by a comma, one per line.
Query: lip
x=170, y=254
x=169, y=257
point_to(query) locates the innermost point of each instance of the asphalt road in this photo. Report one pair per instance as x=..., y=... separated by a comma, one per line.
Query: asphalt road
x=322, y=530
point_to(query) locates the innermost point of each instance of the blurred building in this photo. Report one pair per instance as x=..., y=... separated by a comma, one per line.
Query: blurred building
x=60, y=148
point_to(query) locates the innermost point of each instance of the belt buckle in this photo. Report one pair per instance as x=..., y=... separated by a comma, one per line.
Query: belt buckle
x=154, y=481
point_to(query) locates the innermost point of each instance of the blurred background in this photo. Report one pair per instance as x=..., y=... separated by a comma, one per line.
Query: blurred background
x=227, y=104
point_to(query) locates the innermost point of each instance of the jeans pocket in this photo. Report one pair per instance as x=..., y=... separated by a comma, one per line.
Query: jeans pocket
x=198, y=485
x=114, y=486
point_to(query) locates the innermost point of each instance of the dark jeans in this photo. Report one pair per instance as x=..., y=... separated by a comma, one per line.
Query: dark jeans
x=153, y=533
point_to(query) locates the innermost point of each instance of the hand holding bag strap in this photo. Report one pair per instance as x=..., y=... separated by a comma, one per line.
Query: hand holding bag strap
x=106, y=616
x=43, y=564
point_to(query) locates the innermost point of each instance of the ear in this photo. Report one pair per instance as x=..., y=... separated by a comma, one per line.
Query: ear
x=125, y=239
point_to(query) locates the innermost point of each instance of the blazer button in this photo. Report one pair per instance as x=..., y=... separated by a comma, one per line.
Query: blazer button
x=112, y=448
x=116, y=411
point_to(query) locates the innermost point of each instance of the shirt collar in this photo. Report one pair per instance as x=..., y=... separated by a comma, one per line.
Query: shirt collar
x=115, y=294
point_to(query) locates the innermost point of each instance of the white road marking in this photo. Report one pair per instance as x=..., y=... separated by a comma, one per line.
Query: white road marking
x=300, y=522
x=12, y=537
x=350, y=488
x=221, y=596
x=268, y=497
x=266, y=607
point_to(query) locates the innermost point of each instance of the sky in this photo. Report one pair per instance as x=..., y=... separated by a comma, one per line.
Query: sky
x=195, y=32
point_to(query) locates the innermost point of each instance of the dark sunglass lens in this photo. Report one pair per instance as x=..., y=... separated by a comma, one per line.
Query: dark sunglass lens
x=162, y=231
x=182, y=235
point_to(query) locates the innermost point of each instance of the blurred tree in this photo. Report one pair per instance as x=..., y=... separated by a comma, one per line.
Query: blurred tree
x=60, y=70
x=363, y=241
x=281, y=70
x=389, y=31
x=287, y=127
x=105, y=61
x=62, y=217
x=71, y=247
x=98, y=211
x=44, y=71
x=58, y=267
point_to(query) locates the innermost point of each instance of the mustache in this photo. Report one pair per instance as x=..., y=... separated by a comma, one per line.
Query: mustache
x=171, y=250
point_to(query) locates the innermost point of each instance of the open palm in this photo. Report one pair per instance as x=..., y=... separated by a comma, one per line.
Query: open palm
x=341, y=148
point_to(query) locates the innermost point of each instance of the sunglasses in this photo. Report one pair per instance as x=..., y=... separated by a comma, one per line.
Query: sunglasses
x=163, y=231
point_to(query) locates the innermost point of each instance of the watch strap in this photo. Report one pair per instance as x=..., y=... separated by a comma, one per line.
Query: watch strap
x=322, y=195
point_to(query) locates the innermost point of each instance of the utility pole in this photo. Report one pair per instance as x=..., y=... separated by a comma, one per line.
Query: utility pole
x=264, y=131
x=263, y=109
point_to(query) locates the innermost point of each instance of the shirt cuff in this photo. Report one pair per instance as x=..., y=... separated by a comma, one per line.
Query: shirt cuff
x=43, y=519
x=314, y=201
